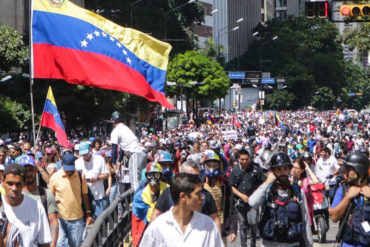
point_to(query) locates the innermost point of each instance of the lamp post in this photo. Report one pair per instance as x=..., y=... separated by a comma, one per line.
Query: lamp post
x=226, y=27
x=131, y=7
x=166, y=16
x=261, y=96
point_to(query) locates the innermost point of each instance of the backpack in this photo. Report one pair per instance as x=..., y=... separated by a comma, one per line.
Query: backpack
x=89, y=196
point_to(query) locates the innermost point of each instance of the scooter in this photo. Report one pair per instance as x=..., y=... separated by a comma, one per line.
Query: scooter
x=320, y=211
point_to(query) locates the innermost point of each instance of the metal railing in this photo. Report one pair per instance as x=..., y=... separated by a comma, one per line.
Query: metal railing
x=109, y=230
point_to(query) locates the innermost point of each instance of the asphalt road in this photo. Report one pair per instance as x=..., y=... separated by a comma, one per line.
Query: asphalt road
x=330, y=238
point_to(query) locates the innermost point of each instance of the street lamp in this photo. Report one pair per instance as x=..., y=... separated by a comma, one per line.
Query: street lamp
x=226, y=27
x=166, y=16
x=131, y=7
x=5, y=78
x=261, y=64
x=214, y=11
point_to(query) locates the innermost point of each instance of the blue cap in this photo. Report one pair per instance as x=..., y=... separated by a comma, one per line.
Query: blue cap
x=92, y=139
x=27, y=160
x=84, y=148
x=68, y=162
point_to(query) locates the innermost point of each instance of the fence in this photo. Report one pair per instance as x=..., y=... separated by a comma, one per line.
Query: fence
x=109, y=230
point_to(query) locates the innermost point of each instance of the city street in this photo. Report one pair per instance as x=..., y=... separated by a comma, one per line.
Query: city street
x=329, y=242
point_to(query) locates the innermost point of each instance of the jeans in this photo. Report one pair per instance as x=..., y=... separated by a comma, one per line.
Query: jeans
x=99, y=206
x=70, y=232
x=113, y=192
x=247, y=219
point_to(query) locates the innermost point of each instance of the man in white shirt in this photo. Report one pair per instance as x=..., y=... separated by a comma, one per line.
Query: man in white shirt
x=25, y=213
x=183, y=225
x=326, y=165
x=96, y=171
x=126, y=140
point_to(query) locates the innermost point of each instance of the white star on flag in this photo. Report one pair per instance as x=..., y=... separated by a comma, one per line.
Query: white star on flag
x=97, y=34
x=124, y=52
x=111, y=38
x=128, y=60
x=119, y=45
x=104, y=34
x=89, y=36
x=83, y=43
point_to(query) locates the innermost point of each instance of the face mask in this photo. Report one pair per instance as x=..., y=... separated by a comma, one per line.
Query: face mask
x=212, y=173
x=153, y=178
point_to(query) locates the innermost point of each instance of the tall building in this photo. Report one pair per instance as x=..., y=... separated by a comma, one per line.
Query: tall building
x=16, y=13
x=205, y=30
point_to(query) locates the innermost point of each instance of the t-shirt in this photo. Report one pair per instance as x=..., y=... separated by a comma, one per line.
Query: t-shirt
x=31, y=220
x=126, y=139
x=165, y=202
x=50, y=200
x=96, y=166
x=325, y=167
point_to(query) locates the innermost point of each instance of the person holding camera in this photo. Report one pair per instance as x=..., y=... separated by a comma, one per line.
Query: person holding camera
x=284, y=221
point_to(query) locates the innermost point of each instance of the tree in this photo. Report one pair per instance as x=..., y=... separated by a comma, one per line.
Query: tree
x=212, y=50
x=13, y=115
x=358, y=38
x=194, y=66
x=324, y=99
x=149, y=17
x=280, y=99
x=13, y=52
x=307, y=54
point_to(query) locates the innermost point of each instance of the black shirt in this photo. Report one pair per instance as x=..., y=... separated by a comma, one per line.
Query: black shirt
x=165, y=202
x=248, y=180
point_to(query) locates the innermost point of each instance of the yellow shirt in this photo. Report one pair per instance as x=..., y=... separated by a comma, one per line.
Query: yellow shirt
x=67, y=190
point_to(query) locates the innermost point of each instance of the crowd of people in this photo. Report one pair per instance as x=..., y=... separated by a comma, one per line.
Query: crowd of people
x=196, y=184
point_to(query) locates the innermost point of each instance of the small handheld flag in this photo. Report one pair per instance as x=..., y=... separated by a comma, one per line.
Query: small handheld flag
x=51, y=119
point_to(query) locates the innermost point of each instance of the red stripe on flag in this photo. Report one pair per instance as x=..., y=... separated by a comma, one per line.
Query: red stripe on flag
x=47, y=120
x=138, y=226
x=92, y=69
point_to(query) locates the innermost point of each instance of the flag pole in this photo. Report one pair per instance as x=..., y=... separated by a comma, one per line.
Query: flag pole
x=31, y=74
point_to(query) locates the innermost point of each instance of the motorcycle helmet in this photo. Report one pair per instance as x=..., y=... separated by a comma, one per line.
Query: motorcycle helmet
x=163, y=156
x=153, y=173
x=280, y=159
x=359, y=162
x=211, y=170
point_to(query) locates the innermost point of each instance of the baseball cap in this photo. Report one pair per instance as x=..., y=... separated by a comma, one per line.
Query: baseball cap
x=49, y=150
x=27, y=160
x=84, y=148
x=68, y=162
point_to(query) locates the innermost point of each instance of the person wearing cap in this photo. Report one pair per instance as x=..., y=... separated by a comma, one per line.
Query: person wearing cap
x=70, y=191
x=244, y=180
x=25, y=213
x=126, y=140
x=96, y=171
x=44, y=196
x=284, y=221
x=352, y=200
x=145, y=200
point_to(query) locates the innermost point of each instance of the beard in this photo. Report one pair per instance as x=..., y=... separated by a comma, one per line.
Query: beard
x=283, y=179
x=30, y=181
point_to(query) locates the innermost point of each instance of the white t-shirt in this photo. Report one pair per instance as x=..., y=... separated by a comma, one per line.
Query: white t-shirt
x=96, y=166
x=123, y=136
x=166, y=232
x=324, y=168
x=31, y=220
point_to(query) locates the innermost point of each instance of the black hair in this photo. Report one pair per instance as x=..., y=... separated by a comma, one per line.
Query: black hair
x=97, y=140
x=183, y=182
x=16, y=170
x=327, y=150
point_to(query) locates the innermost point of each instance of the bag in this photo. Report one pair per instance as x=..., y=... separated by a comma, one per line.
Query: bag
x=90, y=197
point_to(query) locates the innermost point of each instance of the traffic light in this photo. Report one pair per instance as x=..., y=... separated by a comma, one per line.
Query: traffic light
x=355, y=10
x=317, y=9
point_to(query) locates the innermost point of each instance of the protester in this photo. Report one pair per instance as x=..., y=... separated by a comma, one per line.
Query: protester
x=183, y=225
x=25, y=213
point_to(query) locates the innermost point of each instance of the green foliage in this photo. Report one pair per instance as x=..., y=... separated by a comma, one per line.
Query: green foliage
x=307, y=53
x=212, y=50
x=149, y=17
x=13, y=115
x=324, y=99
x=358, y=38
x=279, y=99
x=13, y=52
x=194, y=66
x=357, y=81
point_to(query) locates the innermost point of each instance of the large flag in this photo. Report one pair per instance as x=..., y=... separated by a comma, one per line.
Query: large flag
x=81, y=47
x=278, y=121
x=51, y=119
x=236, y=122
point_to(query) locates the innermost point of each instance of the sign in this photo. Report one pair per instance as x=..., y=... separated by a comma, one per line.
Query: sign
x=237, y=75
x=229, y=134
x=268, y=80
x=352, y=94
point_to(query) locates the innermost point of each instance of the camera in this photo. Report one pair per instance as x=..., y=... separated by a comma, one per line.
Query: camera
x=280, y=228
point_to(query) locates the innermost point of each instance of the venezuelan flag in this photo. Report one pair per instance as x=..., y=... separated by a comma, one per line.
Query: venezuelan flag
x=81, y=47
x=51, y=119
x=278, y=121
